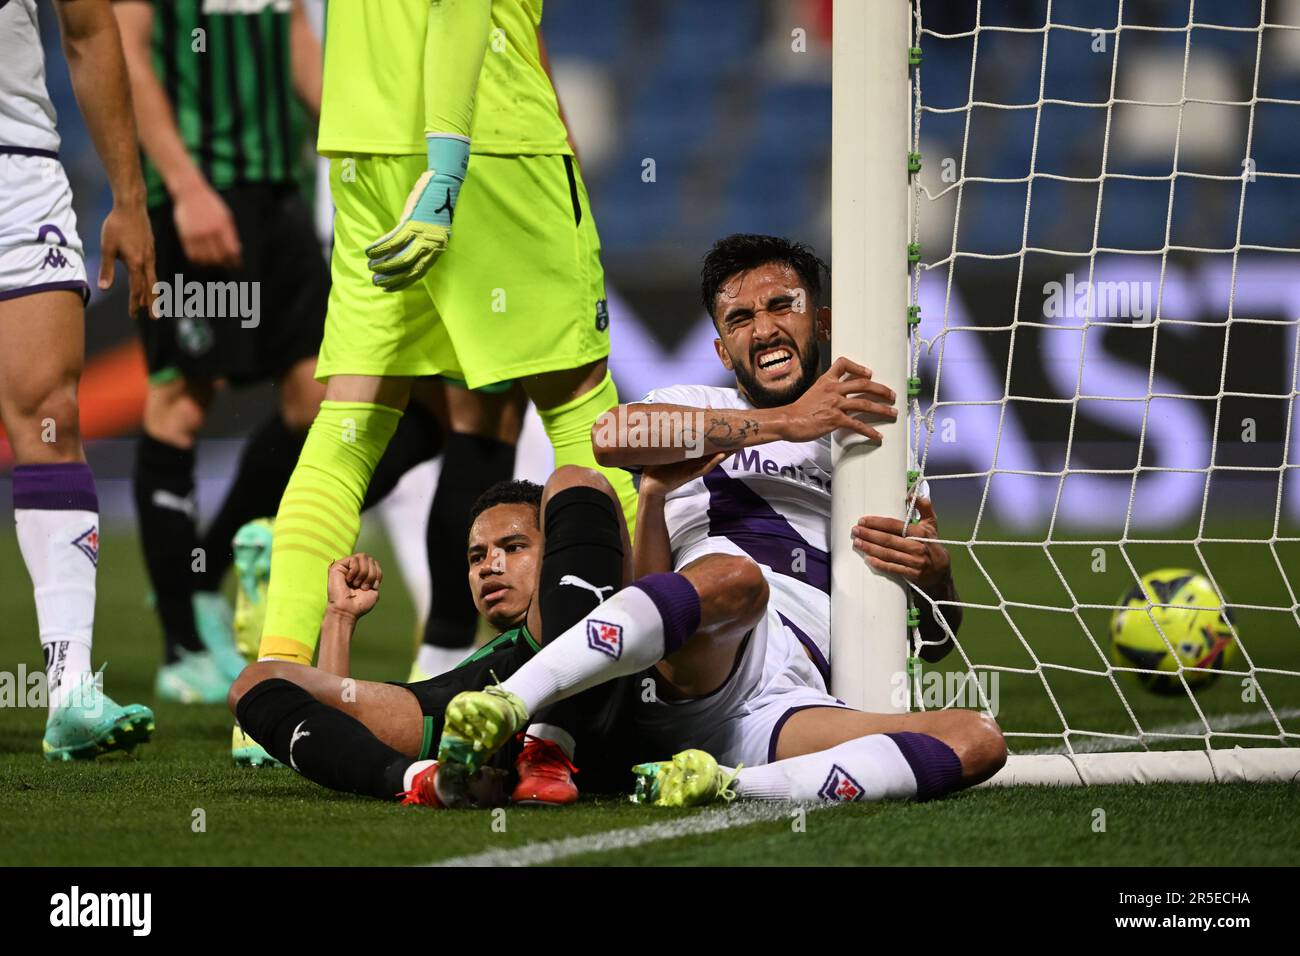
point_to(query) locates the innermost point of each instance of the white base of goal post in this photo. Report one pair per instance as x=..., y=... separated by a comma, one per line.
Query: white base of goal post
x=1237, y=765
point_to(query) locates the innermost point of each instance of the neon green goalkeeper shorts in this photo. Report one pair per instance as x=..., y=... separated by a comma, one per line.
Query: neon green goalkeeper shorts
x=519, y=290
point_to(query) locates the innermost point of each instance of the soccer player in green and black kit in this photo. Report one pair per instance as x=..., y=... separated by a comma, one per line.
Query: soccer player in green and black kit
x=449, y=97
x=214, y=84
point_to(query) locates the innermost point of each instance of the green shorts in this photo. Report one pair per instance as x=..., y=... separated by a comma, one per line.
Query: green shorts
x=519, y=290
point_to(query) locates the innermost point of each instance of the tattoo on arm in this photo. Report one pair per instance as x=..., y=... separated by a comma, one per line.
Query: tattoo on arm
x=724, y=434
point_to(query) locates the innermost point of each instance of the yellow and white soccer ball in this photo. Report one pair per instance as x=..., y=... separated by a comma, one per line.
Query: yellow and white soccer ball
x=1186, y=610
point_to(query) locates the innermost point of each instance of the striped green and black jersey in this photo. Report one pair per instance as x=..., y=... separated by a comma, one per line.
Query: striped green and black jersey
x=226, y=68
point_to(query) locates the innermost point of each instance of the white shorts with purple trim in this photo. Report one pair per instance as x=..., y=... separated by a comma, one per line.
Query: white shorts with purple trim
x=40, y=249
x=740, y=722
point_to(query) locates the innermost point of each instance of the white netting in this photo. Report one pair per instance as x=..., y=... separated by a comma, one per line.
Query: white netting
x=1139, y=413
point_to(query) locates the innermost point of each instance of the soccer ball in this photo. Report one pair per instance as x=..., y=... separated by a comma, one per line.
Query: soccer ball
x=1188, y=612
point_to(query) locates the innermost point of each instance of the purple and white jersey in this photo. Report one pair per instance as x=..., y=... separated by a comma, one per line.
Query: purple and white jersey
x=27, y=117
x=769, y=502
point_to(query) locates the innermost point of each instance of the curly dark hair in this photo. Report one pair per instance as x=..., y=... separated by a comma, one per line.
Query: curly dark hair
x=514, y=492
x=743, y=251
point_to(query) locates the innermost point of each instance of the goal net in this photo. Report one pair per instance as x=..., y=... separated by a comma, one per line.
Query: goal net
x=1102, y=377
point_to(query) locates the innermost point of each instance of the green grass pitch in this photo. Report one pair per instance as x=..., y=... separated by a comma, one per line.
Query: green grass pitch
x=148, y=809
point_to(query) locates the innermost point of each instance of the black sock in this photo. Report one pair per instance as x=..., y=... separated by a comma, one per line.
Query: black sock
x=470, y=465
x=164, y=504
x=583, y=540
x=267, y=461
x=418, y=438
x=323, y=744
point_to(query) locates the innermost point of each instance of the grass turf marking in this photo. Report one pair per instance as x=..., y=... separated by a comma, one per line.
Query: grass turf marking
x=710, y=821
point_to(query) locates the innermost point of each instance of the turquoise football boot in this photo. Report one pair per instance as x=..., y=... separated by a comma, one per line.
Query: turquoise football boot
x=194, y=678
x=252, y=547
x=247, y=752
x=89, y=723
x=214, y=621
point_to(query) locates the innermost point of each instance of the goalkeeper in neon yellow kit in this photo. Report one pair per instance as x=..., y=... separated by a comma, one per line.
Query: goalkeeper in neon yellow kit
x=463, y=247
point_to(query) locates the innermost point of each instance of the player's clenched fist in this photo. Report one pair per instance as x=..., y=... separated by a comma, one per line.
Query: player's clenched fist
x=844, y=397
x=405, y=253
x=354, y=584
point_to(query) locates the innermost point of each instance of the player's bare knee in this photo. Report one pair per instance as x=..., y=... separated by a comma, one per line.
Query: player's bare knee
x=576, y=476
x=251, y=676
x=300, y=396
x=732, y=589
x=48, y=421
x=175, y=413
x=982, y=748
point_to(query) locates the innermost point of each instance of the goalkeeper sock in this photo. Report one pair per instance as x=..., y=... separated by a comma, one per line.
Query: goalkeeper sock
x=637, y=627
x=318, y=521
x=568, y=426
x=876, y=767
x=325, y=745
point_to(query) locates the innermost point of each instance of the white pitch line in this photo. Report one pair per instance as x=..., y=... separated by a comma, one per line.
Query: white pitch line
x=710, y=821
x=1221, y=723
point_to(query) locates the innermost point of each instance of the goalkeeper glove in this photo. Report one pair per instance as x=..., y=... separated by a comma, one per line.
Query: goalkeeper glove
x=405, y=253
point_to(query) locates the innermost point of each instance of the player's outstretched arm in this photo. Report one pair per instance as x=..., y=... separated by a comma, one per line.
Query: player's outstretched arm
x=641, y=434
x=94, y=52
x=353, y=588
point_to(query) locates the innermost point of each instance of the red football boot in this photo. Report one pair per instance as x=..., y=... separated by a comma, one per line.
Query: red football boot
x=424, y=790
x=452, y=787
x=545, y=774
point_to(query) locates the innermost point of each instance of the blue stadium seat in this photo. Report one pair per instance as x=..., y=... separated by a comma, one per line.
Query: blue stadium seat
x=593, y=31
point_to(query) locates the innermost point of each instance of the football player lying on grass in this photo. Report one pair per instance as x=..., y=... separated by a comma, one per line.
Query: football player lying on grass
x=745, y=681
x=539, y=560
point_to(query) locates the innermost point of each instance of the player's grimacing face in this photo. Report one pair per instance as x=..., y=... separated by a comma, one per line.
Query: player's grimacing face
x=767, y=333
x=504, y=553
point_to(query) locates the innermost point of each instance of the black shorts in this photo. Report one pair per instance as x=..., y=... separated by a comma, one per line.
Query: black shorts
x=281, y=254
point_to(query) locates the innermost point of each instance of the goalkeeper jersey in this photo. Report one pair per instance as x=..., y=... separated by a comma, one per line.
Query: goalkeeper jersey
x=373, y=98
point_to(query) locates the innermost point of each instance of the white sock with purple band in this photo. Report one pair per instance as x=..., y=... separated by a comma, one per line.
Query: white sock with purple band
x=876, y=767
x=637, y=627
x=56, y=512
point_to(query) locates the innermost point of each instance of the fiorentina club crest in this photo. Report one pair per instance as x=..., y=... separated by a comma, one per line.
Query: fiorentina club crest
x=606, y=638
x=840, y=787
x=88, y=544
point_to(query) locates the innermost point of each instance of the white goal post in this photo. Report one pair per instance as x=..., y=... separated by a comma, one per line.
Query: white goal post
x=869, y=130
x=897, y=307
